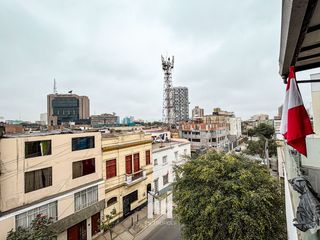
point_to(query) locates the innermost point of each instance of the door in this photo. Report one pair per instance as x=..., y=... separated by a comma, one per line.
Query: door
x=95, y=224
x=136, y=162
x=129, y=164
x=78, y=231
x=126, y=206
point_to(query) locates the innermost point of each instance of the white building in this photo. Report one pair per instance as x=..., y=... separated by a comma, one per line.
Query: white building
x=165, y=156
x=235, y=126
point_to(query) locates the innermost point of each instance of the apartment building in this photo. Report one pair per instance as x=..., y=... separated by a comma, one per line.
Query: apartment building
x=207, y=133
x=181, y=103
x=54, y=174
x=105, y=119
x=127, y=171
x=197, y=112
x=165, y=156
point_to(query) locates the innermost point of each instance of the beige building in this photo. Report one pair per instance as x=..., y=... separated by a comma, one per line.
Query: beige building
x=65, y=108
x=58, y=175
x=127, y=172
x=197, y=112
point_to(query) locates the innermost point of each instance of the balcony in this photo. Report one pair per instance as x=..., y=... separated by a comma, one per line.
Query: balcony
x=297, y=165
x=135, y=177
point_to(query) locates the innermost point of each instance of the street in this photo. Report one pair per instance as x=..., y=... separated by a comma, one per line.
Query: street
x=167, y=229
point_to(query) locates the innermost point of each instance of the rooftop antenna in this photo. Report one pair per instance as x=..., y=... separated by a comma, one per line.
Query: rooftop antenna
x=55, y=86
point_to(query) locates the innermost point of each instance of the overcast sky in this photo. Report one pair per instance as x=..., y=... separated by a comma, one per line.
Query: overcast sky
x=226, y=53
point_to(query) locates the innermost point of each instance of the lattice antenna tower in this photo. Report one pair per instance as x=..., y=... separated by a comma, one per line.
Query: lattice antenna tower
x=167, y=108
x=55, y=91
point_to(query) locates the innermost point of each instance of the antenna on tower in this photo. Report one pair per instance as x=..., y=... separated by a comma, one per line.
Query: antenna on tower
x=55, y=91
x=168, y=110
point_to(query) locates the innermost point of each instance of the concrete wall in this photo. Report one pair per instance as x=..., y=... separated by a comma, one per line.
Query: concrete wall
x=315, y=94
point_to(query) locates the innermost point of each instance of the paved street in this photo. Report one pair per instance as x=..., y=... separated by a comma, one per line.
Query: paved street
x=167, y=229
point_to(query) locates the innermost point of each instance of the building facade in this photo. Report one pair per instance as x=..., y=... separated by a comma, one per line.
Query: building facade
x=165, y=156
x=235, y=126
x=197, y=113
x=58, y=175
x=65, y=108
x=127, y=164
x=206, y=134
x=105, y=119
x=181, y=103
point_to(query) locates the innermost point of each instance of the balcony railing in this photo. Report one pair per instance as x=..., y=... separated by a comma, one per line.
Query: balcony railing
x=298, y=165
x=135, y=177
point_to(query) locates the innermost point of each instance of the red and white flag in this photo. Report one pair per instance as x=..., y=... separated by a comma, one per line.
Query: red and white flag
x=295, y=122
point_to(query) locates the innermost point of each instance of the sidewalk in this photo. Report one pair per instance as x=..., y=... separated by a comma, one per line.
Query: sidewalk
x=132, y=227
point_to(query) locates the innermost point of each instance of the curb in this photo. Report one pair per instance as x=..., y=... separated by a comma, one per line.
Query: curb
x=147, y=226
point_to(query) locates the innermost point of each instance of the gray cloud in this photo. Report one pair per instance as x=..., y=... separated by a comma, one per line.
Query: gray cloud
x=226, y=53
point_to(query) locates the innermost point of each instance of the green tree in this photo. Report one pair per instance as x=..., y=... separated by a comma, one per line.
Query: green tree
x=220, y=196
x=107, y=224
x=258, y=147
x=39, y=229
x=264, y=130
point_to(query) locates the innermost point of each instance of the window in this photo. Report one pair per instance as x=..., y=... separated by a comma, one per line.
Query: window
x=148, y=157
x=165, y=179
x=136, y=162
x=85, y=198
x=164, y=160
x=195, y=140
x=111, y=166
x=82, y=168
x=82, y=143
x=155, y=162
x=176, y=156
x=37, y=179
x=129, y=164
x=37, y=148
x=50, y=210
x=111, y=201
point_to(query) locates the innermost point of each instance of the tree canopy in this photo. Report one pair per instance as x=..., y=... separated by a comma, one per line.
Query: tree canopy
x=220, y=196
x=264, y=130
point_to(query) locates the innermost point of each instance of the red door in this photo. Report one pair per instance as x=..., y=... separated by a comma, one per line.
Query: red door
x=95, y=224
x=78, y=231
x=129, y=164
x=136, y=162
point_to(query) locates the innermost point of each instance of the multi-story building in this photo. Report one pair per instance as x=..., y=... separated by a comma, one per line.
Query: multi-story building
x=128, y=121
x=260, y=117
x=43, y=119
x=127, y=171
x=165, y=156
x=197, y=113
x=65, y=108
x=105, y=119
x=181, y=103
x=53, y=174
x=205, y=134
x=235, y=126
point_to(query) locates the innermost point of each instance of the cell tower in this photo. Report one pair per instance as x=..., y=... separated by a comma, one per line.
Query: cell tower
x=168, y=110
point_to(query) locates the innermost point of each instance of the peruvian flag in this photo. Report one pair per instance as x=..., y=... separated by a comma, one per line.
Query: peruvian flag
x=295, y=122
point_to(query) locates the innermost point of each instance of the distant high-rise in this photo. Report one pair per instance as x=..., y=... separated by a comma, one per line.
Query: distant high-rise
x=197, y=112
x=65, y=108
x=181, y=103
